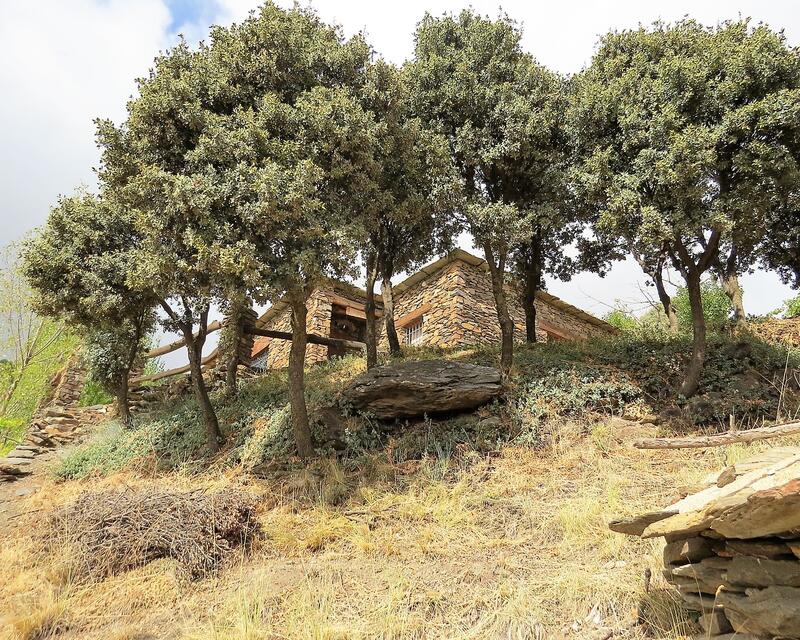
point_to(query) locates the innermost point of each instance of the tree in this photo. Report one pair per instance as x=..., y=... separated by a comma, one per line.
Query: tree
x=663, y=158
x=236, y=308
x=502, y=115
x=27, y=336
x=411, y=214
x=192, y=249
x=290, y=148
x=77, y=266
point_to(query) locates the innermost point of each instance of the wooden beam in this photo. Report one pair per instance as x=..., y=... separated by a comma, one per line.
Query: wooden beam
x=413, y=315
x=311, y=337
x=174, y=372
x=354, y=308
x=177, y=344
x=717, y=440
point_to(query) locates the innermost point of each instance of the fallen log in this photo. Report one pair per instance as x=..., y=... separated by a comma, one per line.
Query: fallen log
x=174, y=372
x=177, y=344
x=720, y=439
x=312, y=338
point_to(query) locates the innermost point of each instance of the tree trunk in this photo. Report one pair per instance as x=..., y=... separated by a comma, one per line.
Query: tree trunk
x=729, y=278
x=731, y=286
x=194, y=346
x=232, y=337
x=497, y=273
x=691, y=379
x=533, y=281
x=123, y=409
x=369, y=312
x=297, y=387
x=388, y=314
x=666, y=301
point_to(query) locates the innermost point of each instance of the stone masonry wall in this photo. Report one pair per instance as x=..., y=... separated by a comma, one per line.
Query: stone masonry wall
x=318, y=321
x=463, y=312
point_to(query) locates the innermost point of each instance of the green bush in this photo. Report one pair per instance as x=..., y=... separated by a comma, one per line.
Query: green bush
x=622, y=319
x=716, y=306
x=792, y=308
x=11, y=432
x=93, y=393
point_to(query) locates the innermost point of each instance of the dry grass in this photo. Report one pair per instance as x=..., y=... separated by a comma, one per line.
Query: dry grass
x=514, y=546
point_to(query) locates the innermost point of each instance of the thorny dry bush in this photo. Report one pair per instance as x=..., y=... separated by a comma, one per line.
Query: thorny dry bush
x=115, y=530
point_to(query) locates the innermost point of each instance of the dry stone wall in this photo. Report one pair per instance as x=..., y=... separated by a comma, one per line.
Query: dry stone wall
x=59, y=420
x=462, y=310
x=318, y=321
x=733, y=548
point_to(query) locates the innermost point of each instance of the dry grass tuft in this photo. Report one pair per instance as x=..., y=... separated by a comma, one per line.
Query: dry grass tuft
x=40, y=618
x=108, y=532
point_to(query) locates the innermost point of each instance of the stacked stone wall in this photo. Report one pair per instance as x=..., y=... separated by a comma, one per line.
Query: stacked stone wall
x=318, y=321
x=463, y=311
x=460, y=311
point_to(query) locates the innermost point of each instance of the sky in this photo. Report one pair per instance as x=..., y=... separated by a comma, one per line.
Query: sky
x=65, y=62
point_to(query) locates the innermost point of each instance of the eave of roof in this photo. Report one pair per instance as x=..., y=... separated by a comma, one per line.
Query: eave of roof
x=433, y=268
x=464, y=256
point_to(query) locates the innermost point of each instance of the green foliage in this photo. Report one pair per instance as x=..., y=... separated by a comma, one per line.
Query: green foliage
x=716, y=306
x=54, y=347
x=622, y=319
x=792, y=308
x=687, y=145
x=11, y=432
x=94, y=393
x=167, y=441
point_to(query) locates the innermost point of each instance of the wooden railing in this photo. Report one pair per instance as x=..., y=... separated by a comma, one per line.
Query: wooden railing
x=312, y=338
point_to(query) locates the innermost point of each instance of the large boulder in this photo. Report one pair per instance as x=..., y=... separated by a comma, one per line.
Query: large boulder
x=416, y=388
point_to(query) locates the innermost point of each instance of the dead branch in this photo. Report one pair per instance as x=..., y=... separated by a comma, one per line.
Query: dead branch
x=721, y=439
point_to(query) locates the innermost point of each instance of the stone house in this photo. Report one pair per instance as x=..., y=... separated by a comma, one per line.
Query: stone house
x=447, y=303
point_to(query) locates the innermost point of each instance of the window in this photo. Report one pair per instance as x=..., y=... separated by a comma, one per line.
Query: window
x=413, y=332
x=259, y=363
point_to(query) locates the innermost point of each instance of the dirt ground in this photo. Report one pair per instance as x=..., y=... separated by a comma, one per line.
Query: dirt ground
x=471, y=546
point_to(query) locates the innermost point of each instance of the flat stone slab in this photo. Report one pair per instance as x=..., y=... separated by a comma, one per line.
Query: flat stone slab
x=416, y=388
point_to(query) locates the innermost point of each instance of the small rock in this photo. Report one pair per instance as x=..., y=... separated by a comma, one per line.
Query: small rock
x=715, y=623
x=25, y=491
x=16, y=462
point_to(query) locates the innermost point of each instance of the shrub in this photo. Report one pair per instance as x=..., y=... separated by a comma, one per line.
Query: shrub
x=792, y=308
x=622, y=319
x=93, y=393
x=716, y=305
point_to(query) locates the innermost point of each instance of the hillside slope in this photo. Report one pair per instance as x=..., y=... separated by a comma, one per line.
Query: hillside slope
x=485, y=525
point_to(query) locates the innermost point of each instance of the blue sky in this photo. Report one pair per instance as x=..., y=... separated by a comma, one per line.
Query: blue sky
x=192, y=12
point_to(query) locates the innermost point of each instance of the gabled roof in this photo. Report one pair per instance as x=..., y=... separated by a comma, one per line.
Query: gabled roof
x=465, y=256
x=426, y=272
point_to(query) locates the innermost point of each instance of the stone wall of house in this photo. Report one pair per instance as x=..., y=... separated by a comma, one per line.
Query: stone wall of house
x=442, y=325
x=463, y=312
x=318, y=321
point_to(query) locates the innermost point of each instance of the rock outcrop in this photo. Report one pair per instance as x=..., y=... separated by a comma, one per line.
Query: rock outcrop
x=733, y=548
x=417, y=388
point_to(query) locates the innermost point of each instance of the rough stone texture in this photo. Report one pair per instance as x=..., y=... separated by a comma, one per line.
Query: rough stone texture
x=750, y=523
x=416, y=388
x=58, y=420
x=460, y=312
x=318, y=321
x=687, y=550
x=463, y=312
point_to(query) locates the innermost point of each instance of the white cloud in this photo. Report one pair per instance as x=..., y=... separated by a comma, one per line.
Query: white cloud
x=64, y=63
